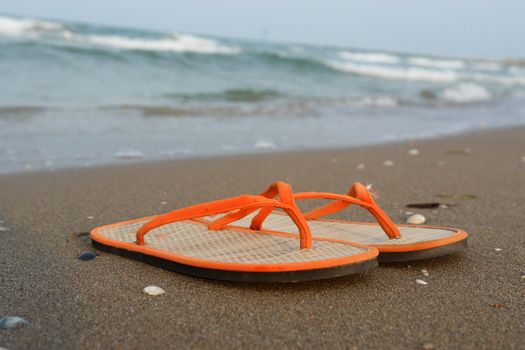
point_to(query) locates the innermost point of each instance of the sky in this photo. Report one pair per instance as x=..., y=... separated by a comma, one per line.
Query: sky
x=463, y=28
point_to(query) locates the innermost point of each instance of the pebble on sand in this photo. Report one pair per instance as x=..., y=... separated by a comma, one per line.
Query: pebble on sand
x=163, y=203
x=90, y=217
x=416, y=219
x=420, y=281
x=8, y=322
x=413, y=152
x=85, y=256
x=498, y=249
x=388, y=163
x=360, y=166
x=3, y=229
x=425, y=272
x=523, y=159
x=153, y=290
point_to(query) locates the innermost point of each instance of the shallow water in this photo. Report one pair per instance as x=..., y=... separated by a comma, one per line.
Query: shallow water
x=74, y=94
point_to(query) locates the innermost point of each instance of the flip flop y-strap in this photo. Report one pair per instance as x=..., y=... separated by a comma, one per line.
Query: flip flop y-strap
x=364, y=199
x=243, y=203
x=358, y=194
x=282, y=189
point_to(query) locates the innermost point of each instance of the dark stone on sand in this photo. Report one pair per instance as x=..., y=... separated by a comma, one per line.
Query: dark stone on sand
x=87, y=256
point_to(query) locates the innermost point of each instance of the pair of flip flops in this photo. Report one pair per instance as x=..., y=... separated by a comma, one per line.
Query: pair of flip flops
x=226, y=240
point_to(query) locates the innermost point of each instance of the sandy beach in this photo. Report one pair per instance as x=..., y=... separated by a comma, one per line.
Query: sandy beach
x=473, y=300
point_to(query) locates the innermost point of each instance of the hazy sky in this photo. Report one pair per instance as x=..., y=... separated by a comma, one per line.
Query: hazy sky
x=449, y=27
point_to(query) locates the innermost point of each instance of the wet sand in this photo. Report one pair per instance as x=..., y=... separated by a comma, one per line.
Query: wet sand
x=473, y=300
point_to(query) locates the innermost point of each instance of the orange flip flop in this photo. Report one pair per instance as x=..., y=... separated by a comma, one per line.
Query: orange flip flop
x=184, y=242
x=394, y=242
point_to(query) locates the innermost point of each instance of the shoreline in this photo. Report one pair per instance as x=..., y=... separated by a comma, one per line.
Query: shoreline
x=473, y=300
x=254, y=152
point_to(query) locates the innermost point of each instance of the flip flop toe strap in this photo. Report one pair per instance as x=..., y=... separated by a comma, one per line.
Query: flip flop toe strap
x=358, y=194
x=244, y=203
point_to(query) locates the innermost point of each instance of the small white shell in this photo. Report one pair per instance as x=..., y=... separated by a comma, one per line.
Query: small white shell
x=90, y=217
x=153, y=290
x=3, y=229
x=416, y=219
x=360, y=166
x=425, y=272
x=369, y=187
x=8, y=322
x=388, y=163
x=163, y=203
x=419, y=281
x=498, y=249
x=413, y=152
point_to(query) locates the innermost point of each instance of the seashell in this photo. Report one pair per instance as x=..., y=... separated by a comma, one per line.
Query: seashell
x=416, y=219
x=3, y=229
x=413, y=152
x=498, y=249
x=163, y=203
x=153, y=290
x=388, y=163
x=90, y=217
x=369, y=187
x=360, y=166
x=8, y=322
x=428, y=346
x=419, y=281
x=87, y=256
x=425, y=272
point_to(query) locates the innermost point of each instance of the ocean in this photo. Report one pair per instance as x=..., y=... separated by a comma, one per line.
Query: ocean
x=77, y=94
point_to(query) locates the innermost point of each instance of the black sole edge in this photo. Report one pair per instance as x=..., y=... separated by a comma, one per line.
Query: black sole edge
x=241, y=276
x=424, y=254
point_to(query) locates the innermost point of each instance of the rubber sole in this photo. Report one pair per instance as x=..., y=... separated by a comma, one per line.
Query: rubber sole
x=423, y=254
x=242, y=276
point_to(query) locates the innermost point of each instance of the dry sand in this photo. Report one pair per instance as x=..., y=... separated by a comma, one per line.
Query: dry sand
x=474, y=300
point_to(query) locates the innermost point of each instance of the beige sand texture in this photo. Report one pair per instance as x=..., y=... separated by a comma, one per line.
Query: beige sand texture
x=474, y=300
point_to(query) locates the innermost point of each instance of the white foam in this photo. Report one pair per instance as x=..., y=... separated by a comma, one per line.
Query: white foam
x=262, y=144
x=487, y=65
x=437, y=63
x=382, y=101
x=34, y=29
x=466, y=92
x=177, y=42
x=411, y=73
x=499, y=79
x=128, y=153
x=369, y=57
x=19, y=27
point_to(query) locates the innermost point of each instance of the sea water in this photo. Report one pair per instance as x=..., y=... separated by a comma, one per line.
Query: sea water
x=76, y=94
